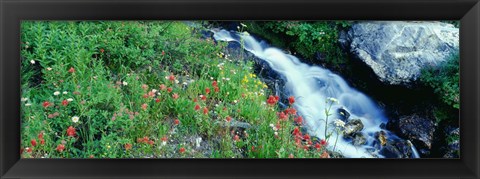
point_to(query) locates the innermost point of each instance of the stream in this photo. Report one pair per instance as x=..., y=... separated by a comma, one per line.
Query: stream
x=313, y=87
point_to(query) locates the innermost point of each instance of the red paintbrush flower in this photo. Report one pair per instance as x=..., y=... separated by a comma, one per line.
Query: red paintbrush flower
x=46, y=104
x=203, y=97
x=42, y=141
x=71, y=70
x=228, y=118
x=299, y=120
x=306, y=137
x=60, y=147
x=197, y=107
x=205, y=110
x=214, y=83
x=169, y=89
x=176, y=121
x=128, y=146
x=157, y=100
x=33, y=142
x=71, y=131
x=236, y=138
x=171, y=78
x=216, y=89
x=323, y=142
x=144, y=106
x=207, y=90
x=291, y=100
x=64, y=102
x=181, y=150
x=102, y=50
x=282, y=116
x=175, y=96
x=272, y=100
x=163, y=87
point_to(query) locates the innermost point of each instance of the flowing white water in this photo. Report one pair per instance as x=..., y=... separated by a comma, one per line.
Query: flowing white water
x=312, y=86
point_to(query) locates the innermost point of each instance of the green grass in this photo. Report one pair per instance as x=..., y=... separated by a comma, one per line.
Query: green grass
x=129, y=83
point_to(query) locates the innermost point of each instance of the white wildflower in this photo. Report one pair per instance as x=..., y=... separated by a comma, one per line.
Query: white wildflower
x=154, y=90
x=65, y=92
x=75, y=119
x=24, y=99
x=339, y=123
x=198, y=141
x=32, y=61
x=276, y=133
x=49, y=69
x=228, y=79
x=69, y=99
x=56, y=93
x=125, y=83
x=176, y=81
x=333, y=100
x=28, y=104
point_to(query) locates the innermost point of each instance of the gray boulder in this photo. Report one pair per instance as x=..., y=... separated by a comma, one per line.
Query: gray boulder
x=397, y=51
x=419, y=130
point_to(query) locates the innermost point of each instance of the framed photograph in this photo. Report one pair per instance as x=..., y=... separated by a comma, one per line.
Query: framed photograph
x=245, y=89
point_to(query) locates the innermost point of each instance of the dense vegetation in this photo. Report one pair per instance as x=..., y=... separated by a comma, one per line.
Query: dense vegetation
x=445, y=80
x=149, y=89
x=311, y=39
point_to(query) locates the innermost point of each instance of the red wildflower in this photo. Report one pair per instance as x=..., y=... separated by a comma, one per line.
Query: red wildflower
x=296, y=131
x=228, y=118
x=50, y=116
x=46, y=104
x=306, y=137
x=243, y=95
x=290, y=156
x=291, y=100
x=169, y=89
x=197, y=107
x=205, y=110
x=157, y=100
x=64, y=102
x=207, y=90
x=181, y=150
x=325, y=155
x=299, y=120
x=292, y=111
x=236, y=138
x=128, y=146
x=144, y=86
x=318, y=146
x=282, y=116
x=175, y=96
x=216, y=89
x=203, y=97
x=60, y=147
x=163, y=52
x=40, y=135
x=33, y=142
x=176, y=121
x=42, y=141
x=102, y=50
x=71, y=70
x=163, y=87
x=91, y=156
x=29, y=150
x=164, y=138
x=272, y=100
x=144, y=106
x=151, y=142
x=145, y=95
x=323, y=142
x=151, y=94
x=71, y=131
x=171, y=78
x=214, y=83
x=253, y=149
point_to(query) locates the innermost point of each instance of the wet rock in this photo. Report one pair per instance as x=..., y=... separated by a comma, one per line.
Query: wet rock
x=343, y=114
x=352, y=126
x=417, y=129
x=398, y=51
x=453, y=142
x=397, y=148
x=359, y=139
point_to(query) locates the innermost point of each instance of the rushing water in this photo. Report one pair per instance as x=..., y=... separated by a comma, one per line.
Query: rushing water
x=312, y=86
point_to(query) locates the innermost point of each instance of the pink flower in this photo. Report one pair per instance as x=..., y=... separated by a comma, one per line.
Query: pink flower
x=71, y=70
x=175, y=96
x=144, y=106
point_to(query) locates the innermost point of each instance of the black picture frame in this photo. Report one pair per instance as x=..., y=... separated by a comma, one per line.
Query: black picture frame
x=14, y=11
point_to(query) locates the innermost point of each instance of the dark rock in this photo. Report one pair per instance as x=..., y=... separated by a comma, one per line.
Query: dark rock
x=343, y=114
x=417, y=129
x=397, y=148
x=353, y=126
x=359, y=139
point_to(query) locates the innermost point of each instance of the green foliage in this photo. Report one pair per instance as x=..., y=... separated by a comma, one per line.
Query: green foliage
x=134, y=87
x=305, y=37
x=444, y=79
